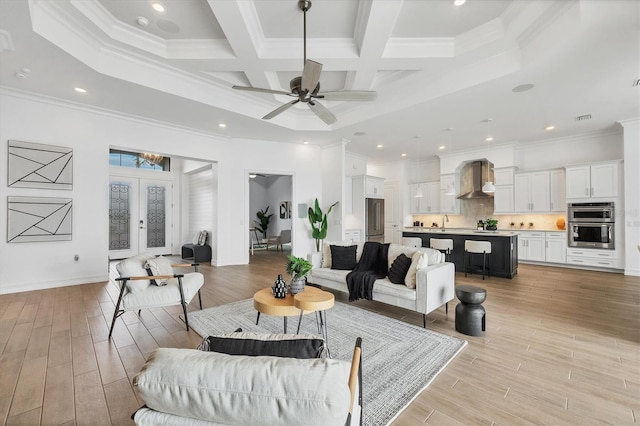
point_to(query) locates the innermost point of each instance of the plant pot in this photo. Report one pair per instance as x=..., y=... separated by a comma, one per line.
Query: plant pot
x=297, y=285
x=491, y=228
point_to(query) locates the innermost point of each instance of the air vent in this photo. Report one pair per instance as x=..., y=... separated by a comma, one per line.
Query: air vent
x=636, y=82
x=583, y=117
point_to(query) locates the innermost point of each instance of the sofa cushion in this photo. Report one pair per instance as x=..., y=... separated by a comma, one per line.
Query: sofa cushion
x=419, y=260
x=331, y=274
x=399, y=269
x=385, y=286
x=159, y=266
x=169, y=294
x=252, y=344
x=326, y=251
x=134, y=267
x=231, y=389
x=343, y=257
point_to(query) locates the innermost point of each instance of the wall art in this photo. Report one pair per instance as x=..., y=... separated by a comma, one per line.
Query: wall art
x=35, y=165
x=32, y=219
x=285, y=210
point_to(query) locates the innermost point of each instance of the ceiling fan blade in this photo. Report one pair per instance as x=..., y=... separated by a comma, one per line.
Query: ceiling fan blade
x=349, y=95
x=258, y=89
x=311, y=75
x=322, y=112
x=280, y=109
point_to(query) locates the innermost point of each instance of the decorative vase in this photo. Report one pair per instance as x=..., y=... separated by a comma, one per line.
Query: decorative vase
x=297, y=285
x=279, y=289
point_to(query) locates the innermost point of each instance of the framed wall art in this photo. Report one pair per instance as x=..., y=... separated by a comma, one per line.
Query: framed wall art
x=31, y=219
x=39, y=166
x=285, y=210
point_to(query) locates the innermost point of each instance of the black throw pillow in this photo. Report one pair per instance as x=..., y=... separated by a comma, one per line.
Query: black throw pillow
x=343, y=257
x=301, y=348
x=399, y=269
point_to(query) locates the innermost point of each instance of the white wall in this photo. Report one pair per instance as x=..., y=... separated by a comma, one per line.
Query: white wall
x=200, y=202
x=631, y=130
x=26, y=266
x=333, y=189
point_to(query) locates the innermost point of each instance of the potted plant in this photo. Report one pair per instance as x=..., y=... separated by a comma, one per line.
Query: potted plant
x=318, y=222
x=491, y=224
x=263, y=225
x=298, y=268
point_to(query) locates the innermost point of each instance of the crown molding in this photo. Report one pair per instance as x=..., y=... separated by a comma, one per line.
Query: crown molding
x=477, y=37
x=414, y=47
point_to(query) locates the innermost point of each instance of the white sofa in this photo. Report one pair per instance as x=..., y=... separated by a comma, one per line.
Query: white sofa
x=435, y=282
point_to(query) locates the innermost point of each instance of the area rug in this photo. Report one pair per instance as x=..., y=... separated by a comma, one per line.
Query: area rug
x=399, y=359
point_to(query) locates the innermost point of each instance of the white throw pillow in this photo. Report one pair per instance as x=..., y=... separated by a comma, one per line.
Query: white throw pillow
x=195, y=238
x=202, y=238
x=133, y=268
x=160, y=266
x=410, y=278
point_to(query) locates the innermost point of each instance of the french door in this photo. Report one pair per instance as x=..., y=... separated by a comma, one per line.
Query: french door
x=140, y=218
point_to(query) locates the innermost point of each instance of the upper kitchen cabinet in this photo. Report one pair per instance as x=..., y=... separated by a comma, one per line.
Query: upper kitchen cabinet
x=598, y=180
x=429, y=202
x=449, y=202
x=557, y=191
x=531, y=192
x=503, y=196
x=373, y=187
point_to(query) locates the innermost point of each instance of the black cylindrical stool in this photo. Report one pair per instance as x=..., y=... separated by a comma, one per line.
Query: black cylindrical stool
x=470, y=314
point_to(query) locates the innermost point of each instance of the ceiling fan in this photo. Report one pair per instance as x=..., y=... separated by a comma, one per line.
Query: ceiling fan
x=306, y=88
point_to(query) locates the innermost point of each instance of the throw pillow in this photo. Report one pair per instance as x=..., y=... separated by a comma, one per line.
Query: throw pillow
x=343, y=257
x=160, y=266
x=195, y=238
x=202, y=238
x=418, y=260
x=399, y=269
x=251, y=344
x=133, y=268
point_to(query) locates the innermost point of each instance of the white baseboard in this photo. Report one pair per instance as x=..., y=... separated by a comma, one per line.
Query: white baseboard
x=45, y=285
x=634, y=272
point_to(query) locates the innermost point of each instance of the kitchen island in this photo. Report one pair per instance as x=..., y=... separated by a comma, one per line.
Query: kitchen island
x=503, y=261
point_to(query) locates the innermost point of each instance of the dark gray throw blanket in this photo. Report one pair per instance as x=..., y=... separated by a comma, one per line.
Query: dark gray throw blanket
x=373, y=265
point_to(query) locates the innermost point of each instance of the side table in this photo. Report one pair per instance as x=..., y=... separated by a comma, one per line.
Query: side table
x=470, y=314
x=317, y=301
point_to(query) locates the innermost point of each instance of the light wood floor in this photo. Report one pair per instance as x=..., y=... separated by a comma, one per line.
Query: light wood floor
x=562, y=347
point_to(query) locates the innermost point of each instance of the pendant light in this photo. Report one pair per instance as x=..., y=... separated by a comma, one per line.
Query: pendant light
x=418, y=193
x=451, y=190
x=488, y=185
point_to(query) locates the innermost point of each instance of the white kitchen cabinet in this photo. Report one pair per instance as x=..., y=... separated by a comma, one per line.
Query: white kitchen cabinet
x=598, y=180
x=353, y=235
x=374, y=187
x=556, y=247
x=557, y=191
x=598, y=258
x=355, y=165
x=449, y=202
x=531, y=246
x=503, y=201
x=531, y=192
x=430, y=200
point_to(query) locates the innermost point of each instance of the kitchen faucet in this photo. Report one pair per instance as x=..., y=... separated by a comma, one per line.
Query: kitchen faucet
x=443, y=218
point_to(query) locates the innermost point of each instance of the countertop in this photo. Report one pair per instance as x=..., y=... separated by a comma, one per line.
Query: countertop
x=469, y=231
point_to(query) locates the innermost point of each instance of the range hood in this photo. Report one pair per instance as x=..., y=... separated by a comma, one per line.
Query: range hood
x=476, y=192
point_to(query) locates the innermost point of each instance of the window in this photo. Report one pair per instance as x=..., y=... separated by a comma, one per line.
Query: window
x=139, y=160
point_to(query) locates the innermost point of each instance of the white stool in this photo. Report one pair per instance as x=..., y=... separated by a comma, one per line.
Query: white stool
x=412, y=241
x=477, y=247
x=443, y=244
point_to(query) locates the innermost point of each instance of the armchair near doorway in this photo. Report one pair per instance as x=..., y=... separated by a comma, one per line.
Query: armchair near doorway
x=279, y=240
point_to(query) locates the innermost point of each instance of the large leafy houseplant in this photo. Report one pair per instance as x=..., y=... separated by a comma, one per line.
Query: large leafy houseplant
x=318, y=221
x=298, y=267
x=263, y=225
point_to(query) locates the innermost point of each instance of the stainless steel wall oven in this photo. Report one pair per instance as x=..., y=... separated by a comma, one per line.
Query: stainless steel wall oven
x=591, y=225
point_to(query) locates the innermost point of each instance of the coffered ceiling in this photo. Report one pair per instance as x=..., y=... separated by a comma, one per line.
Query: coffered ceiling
x=434, y=66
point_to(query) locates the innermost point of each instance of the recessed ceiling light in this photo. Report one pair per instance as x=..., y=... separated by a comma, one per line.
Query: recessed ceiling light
x=459, y=2
x=403, y=154
x=79, y=90
x=489, y=138
x=379, y=145
x=306, y=142
x=522, y=88
x=222, y=125
x=441, y=147
x=158, y=7
x=252, y=175
x=142, y=21
x=549, y=128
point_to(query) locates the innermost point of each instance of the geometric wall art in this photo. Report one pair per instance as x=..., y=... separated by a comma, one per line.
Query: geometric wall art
x=38, y=219
x=35, y=165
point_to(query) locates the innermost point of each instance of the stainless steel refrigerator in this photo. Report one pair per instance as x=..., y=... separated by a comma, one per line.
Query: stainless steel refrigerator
x=375, y=220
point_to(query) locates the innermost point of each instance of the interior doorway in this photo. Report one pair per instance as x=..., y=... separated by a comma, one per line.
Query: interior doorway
x=140, y=216
x=270, y=195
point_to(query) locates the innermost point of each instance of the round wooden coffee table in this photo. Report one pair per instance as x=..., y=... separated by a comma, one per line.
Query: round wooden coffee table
x=264, y=302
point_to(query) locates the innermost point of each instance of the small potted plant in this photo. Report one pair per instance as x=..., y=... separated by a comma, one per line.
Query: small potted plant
x=491, y=224
x=298, y=268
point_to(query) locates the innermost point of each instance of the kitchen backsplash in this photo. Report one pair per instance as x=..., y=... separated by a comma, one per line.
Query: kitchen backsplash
x=545, y=222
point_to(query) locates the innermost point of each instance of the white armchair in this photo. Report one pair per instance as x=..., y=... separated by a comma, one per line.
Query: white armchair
x=137, y=291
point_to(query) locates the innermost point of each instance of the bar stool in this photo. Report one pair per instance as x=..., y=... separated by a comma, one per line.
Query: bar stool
x=477, y=247
x=443, y=244
x=412, y=241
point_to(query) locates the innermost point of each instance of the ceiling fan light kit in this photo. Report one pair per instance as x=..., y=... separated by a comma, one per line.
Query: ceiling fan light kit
x=306, y=88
